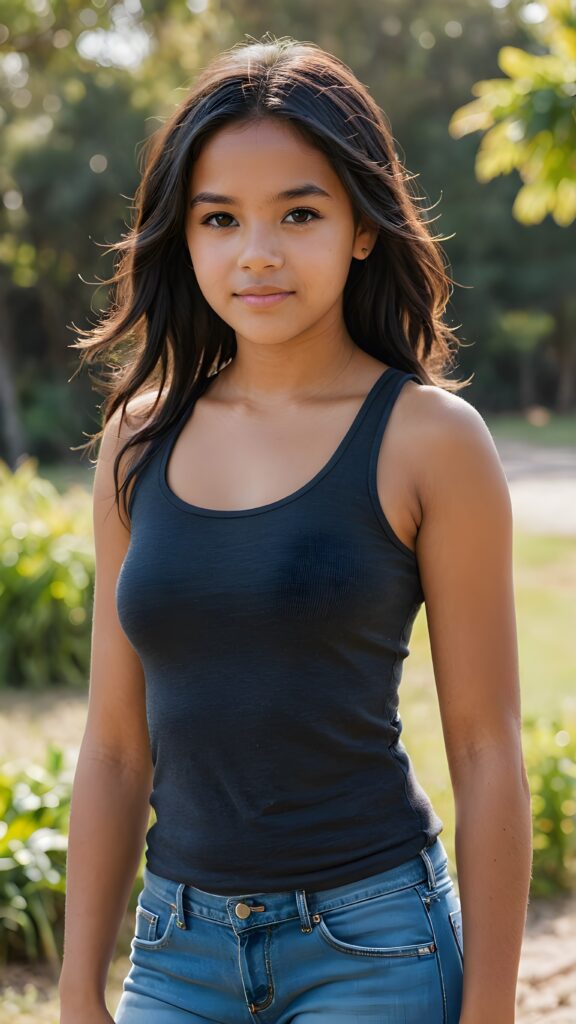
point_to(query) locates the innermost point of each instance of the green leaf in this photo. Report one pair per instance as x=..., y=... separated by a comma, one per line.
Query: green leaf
x=533, y=202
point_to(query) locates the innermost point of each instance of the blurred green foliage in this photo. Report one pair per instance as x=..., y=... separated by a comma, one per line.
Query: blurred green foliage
x=550, y=752
x=82, y=84
x=35, y=802
x=46, y=580
x=34, y=814
x=529, y=119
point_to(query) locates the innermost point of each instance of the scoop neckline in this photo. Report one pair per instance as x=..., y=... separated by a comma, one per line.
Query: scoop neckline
x=201, y=510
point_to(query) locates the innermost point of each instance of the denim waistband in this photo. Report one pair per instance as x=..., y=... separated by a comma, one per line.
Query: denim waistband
x=249, y=910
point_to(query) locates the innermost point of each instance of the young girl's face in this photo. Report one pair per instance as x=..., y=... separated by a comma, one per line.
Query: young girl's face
x=248, y=235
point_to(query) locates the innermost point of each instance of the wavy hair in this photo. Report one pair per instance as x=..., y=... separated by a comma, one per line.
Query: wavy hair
x=169, y=338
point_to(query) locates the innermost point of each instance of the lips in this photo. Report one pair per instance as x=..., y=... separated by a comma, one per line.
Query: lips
x=262, y=289
x=263, y=299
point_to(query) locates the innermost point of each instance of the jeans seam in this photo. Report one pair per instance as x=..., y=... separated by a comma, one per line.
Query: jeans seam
x=151, y=920
x=452, y=914
x=438, y=959
x=157, y=943
x=257, y=1007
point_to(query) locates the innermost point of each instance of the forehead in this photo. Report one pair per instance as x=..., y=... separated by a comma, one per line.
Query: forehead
x=260, y=157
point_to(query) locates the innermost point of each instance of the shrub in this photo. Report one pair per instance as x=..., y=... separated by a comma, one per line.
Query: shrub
x=34, y=813
x=550, y=756
x=34, y=821
x=46, y=580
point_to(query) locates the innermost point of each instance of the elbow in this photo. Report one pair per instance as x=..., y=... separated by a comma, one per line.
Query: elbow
x=497, y=765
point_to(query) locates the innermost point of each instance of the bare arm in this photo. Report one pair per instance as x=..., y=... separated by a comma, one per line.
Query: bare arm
x=464, y=550
x=112, y=783
x=107, y=827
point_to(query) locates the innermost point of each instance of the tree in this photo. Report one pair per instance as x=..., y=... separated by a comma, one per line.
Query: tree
x=77, y=81
x=529, y=120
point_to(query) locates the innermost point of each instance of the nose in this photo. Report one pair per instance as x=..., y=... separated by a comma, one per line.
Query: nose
x=259, y=252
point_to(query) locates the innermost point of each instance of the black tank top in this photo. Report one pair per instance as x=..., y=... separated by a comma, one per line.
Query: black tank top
x=272, y=641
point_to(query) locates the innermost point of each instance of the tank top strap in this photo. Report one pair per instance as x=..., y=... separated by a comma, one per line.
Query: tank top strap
x=380, y=418
x=356, y=469
x=379, y=414
x=374, y=417
x=155, y=453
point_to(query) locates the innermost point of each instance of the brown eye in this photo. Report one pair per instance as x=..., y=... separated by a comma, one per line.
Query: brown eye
x=302, y=209
x=213, y=215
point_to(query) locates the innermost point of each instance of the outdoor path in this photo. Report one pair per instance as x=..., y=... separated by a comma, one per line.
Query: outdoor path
x=542, y=484
x=546, y=991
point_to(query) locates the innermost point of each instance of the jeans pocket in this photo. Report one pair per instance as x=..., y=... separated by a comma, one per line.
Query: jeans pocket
x=154, y=921
x=391, y=924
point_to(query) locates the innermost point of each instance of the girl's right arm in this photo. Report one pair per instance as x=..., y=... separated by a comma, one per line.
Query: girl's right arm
x=113, y=779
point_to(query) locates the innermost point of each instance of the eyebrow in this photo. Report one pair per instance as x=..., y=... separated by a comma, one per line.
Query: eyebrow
x=308, y=189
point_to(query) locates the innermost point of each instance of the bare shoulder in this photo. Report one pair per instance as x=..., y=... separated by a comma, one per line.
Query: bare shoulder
x=464, y=550
x=449, y=441
x=124, y=423
x=120, y=428
x=433, y=440
x=430, y=408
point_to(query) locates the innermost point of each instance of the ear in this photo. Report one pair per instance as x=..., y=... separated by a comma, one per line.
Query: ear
x=365, y=240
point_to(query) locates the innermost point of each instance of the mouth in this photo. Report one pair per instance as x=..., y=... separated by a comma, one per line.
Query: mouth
x=272, y=299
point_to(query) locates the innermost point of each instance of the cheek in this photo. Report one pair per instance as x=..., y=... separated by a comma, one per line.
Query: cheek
x=328, y=271
x=326, y=253
x=207, y=262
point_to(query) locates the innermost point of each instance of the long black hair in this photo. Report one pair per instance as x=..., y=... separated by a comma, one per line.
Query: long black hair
x=170, y=338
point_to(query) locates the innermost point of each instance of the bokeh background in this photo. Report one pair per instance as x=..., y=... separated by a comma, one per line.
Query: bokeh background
x=481, y=97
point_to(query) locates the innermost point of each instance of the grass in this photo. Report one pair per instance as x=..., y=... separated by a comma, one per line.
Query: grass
x=545, y=584
x=544, y=587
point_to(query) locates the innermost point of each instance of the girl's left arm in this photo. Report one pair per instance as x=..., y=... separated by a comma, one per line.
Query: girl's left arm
x=464, y=551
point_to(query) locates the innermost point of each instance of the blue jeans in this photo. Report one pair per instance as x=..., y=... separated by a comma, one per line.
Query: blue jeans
x=387, y=949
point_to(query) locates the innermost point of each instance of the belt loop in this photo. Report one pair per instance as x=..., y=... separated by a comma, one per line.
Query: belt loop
x=180, y=921
x=303, y=910
x=430, y=872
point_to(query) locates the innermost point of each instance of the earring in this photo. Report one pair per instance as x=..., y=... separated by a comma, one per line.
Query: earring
x=364, y=250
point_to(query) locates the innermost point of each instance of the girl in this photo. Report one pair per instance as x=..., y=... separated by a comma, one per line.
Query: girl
x=302, y=478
